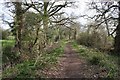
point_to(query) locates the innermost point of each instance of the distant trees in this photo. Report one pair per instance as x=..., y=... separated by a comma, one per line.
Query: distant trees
x=95, y=38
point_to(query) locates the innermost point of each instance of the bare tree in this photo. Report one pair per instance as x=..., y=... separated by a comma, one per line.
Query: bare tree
x=48, y=12
x=17, y=24
x=106, y=14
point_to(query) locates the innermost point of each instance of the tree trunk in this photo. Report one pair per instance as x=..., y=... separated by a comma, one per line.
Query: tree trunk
x=69, y=35
x=117, y=37
x=75, y=33
x=45, y=22
x=18, y=24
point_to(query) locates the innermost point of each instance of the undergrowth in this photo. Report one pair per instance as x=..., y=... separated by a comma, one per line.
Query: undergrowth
x=95, y=57
x=27, y=69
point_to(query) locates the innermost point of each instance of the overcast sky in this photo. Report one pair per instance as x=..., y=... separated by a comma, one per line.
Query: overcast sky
x=80, y=10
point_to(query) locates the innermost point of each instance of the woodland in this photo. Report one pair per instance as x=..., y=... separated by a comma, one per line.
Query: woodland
x=44, y=42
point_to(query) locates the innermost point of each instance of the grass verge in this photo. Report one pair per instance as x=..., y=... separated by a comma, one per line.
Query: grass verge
x=101, y=59
x=27, y=68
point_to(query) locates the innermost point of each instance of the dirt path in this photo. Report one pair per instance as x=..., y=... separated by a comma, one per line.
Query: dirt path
x=71, y=66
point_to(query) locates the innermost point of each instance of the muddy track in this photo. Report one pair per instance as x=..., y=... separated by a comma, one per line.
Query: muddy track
x=71, y=66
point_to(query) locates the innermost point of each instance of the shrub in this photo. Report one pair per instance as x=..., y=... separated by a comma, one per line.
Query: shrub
x=82, y=50
x=95, y=60
x=85, y=39
x=95, y=40
x=8, y=55
x=26, y=69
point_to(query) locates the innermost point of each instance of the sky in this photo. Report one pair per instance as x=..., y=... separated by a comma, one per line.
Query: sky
x=1, y=14
x=79, y=10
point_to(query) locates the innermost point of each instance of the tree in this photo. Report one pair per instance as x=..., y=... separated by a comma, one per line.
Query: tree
x=48, y=12
x=17, y=25
x=106, y=14
x=35, y=30
x=117, y=37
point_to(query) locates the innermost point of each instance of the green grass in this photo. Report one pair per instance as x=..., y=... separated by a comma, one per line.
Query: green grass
x=48, y=59
x=20, y=70
x=27, y=69
x=7, y=43
x=7, y=56
x=96, y=57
